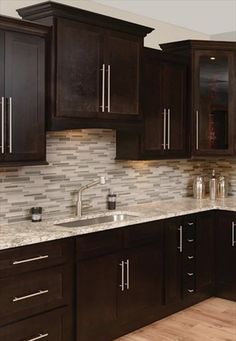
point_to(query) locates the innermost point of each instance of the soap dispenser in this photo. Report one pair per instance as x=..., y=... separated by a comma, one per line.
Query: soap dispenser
x=213, y=186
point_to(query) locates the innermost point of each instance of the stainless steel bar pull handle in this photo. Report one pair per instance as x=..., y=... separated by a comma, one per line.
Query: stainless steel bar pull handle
x=10, y=125
x=122, y=285
x=41, y=336
x=3, y=125
x=109, y=88
x=38, y=293
x=233, y=234
x=190, y=257
x=16, y=262
x=197, y=130
x=164, y=129
x=127, y=275
x=168, y=129
x=180, y=247
x=103, y=87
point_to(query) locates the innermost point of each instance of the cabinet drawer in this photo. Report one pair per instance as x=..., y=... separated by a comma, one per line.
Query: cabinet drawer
x=27, y=294
x=144, y=234
x=188, y=285
x=99, y=243
x=53, y=326
x=35, y=257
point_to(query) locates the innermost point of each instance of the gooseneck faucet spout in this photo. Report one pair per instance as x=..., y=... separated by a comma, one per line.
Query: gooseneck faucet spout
x=101, y=180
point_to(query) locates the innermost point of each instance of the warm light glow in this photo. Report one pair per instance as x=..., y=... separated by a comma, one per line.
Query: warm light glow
x=212, y=58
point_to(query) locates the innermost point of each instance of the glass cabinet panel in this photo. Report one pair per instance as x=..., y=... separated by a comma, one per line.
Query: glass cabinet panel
x=212, y=101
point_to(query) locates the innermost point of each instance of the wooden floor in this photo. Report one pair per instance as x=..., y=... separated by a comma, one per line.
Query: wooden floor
x=211, y=320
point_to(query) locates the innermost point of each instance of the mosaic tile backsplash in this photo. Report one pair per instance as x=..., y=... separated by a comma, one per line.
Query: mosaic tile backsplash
x=77, y=157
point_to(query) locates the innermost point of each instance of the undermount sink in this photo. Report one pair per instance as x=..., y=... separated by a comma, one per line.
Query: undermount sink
x=117, y=217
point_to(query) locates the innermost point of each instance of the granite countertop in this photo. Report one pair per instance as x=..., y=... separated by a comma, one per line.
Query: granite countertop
x=26, y=233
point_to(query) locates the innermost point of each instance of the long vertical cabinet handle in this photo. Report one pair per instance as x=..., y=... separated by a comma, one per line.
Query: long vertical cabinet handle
x=122, y=285
x=168, y=129
x=3, y=125
x=103, y=87
x=127, y=275
x=197, y=130
x=180, y=247
x=109, y=88
x=233, y=234
x=10, y=125
x=164, y=129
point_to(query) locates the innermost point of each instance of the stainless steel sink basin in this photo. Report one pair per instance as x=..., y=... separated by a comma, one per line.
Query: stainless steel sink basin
x=98, y=220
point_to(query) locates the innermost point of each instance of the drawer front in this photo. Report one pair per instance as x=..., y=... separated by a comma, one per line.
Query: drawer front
x=99, y=243
x=35, y=257
x=189, y=286
x=53, y=326
x=142, y=234
x=189, y=264
x=27, y=294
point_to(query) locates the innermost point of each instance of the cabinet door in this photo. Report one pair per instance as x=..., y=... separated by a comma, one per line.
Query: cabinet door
x=213, y=103
x=122, y=53
x=24, y=90
x=79, y=75
x=204, y=252
x=174, y=83
x=96, y=297
x=142, y=283
x=225, y=251
x=151, y=104
x=172, y=260
x=2, y=96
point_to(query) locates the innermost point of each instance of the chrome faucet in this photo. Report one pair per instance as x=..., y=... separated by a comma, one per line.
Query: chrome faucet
x=101, y=180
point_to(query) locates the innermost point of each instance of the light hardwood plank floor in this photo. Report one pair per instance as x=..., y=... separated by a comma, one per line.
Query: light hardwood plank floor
x=211, y=320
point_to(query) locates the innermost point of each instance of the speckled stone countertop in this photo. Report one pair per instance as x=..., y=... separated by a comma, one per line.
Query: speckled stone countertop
x=26, y=233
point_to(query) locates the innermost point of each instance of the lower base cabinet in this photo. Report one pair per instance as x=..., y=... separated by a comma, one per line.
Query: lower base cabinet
x=117, y=290
x=125, y=278
x=225, y=255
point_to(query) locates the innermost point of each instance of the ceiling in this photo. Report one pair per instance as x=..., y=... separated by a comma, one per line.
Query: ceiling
x=206, y=16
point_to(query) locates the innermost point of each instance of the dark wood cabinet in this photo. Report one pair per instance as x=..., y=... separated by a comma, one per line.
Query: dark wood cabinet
x=225, y=255
x=172, y=261
x=97, y=285
x=164, y=86
x=205, y=278
x=34, y=280
x=212, y=80
x=22, y=92
x=94, y=74
x=126, y=285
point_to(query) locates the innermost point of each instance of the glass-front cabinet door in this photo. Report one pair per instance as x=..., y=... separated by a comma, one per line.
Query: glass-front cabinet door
x=213, y=103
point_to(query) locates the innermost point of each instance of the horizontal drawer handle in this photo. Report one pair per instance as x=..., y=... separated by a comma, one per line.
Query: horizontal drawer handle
x=190, y=273
x=41, y=336
x=190, y=257
x=29, y=260
x=190, y=291
x=40, y=292
x=190, y=240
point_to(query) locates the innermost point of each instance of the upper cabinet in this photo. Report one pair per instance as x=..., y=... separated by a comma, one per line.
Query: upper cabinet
x=22, y=92
x=94, y=74
x=163, y=100
x=212, y=82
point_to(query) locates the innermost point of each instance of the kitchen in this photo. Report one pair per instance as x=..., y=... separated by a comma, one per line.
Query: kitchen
x=94, y=129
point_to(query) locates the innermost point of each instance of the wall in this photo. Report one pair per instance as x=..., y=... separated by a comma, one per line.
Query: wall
x=164, y=32
x=227, y=36
x=77, y=157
